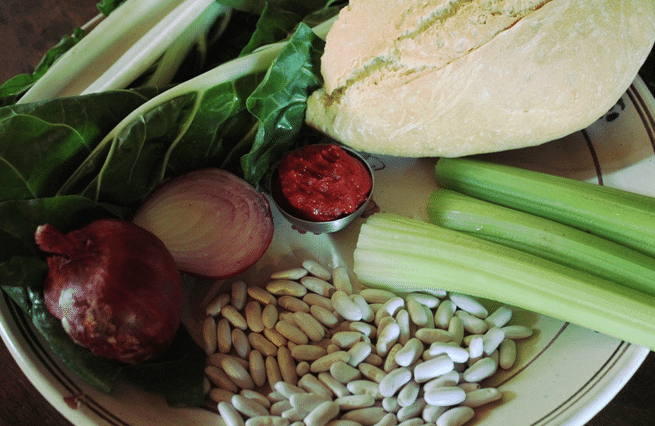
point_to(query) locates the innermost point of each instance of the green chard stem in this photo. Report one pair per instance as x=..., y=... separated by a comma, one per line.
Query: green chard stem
x=621, y=216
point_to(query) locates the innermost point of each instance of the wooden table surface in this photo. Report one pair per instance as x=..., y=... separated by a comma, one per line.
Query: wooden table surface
x=27, y=29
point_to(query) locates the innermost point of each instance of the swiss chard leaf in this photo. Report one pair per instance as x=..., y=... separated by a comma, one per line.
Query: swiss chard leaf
x=280, y=101
x=12, y=88
x=41, y=144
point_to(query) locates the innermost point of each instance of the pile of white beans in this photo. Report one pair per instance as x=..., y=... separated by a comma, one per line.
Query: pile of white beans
x=306, y=350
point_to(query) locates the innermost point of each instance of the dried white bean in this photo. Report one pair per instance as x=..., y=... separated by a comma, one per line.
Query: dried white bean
x=346, y=307
x=411, y=411
x=340, y=422
x=435, y=367
x=376, y=295
x=431, y=413
x=359, y=352
x=209, y=334
x=408, y=394
x=476, y=348
x=239, y=295
x=367, y=312
x=237, y=373
x=280, y=407
x=310, y=326
x=352, y=402
x=470, y=387
x=481, y=397
x=219, y=378
x=307, y=401
x=257, y=397
x=338, y=388
x=324, y=316
x=341, y=279
x=248, y=407
x=295, y=415
x=390, y=403
x=480, y=370
x=261, y=295
x=286, y=288
x=500, y=317
x=456, y=416
x=425, y=299
x=471, y=323
x=517, y=331
x=507, y=354
x=455, y=352
x=371, y=372
x=316, y=269
x=318, y=286
x=235, y=318
x=230, y=415
x=366, y=416
x=343, y=372
x=220, y=395
x=394, y=380
x=291, y=332
x=412, y=422
x=492, y=340
x=267, y=421
x=316, y=299
x=323, y=363
x=445, y=395
x=311, y=384
x=364, y=328
x=216, y=304
x=262, y=344
x=359, y=387
x=346, y=339
x=469, y=304
x=444, y=313
x=456, y=329
x=402, y=318
x=409, y=353
x=388, y=420
x=449, y=379
x=240, y=343
x=390, y=361
x=417, y=312
x=431, y=335
x=287, y=389
x=322, y=414
x=257, y=367
x=387, y=338
x=289, y=274
x=292, y=304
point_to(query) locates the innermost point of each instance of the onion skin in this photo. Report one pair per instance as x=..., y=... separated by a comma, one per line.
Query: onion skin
x=115, y=288
x=214, y=223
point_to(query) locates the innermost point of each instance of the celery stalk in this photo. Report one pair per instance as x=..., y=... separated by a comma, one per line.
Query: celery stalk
x=616, y=215
x=402, y=254
x=543, y=237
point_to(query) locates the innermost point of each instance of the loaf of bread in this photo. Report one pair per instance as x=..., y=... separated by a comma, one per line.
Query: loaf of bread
x=450, y=78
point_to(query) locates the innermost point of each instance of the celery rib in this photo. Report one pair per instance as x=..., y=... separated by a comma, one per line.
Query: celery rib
x=543, y=237
x=403, y=254
x=620, y=216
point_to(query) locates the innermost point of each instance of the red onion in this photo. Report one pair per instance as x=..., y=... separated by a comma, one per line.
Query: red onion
x=213, y=222
x=115, y=288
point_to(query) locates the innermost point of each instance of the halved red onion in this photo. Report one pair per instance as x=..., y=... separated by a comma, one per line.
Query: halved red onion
x=214, y=223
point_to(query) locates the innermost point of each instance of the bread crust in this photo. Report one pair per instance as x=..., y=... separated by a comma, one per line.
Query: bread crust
x=471, y=81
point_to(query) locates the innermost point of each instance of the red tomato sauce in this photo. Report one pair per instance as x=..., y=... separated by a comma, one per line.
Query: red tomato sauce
x=323, y=182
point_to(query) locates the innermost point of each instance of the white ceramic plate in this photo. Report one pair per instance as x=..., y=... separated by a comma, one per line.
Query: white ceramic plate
x=564, y=375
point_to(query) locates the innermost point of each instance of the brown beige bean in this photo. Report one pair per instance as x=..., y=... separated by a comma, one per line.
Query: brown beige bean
x=217, y=359
x=311, y=384
x=371, y=372
x=273, y=374
x=253, y=312
x=310, y=326
x=223, y=336
x=316, y=269
x=220, y=395
x=248, y=407
x=262, y=295
x=234, y=317
x=229, y=414
x=262, y=344
x=318, y=286
x=374, y=295
x=302, y=368
x=269, y=316
x=322, y=414
x=316, y=299
x=286, y=288
x=432, y=335
x=390, y=359
x=214, y=307
x=239, y=295
x=292, y=304
x=344, y=373
x=346, y=307
x=338, y=388
x=236, y=371
x=352, y=402
x=220, y=379
x=324, y=316
x=341, y=279
x=209, y=334
x=308, y=352
x=289, y=274
x=275, y=337
x=323, y=363
x=346, y=339
x=366, y=416
x=287, y=365
x=257, y=367
x=240, y=343
x=291, y=332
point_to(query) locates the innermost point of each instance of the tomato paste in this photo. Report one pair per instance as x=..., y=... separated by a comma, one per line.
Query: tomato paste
x=323, y=182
